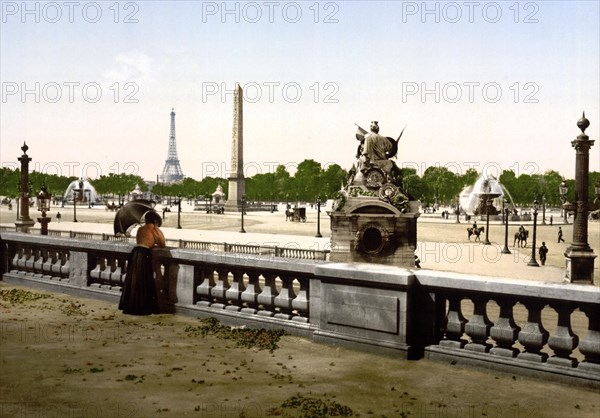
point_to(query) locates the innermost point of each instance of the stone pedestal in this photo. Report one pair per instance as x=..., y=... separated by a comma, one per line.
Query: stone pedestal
x=369, y=230
x=579, y=266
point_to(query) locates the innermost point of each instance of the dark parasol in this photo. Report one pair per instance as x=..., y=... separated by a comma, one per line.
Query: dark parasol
x=131, y=214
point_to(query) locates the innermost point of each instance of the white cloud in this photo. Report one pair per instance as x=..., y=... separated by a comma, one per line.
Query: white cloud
x=131, y=66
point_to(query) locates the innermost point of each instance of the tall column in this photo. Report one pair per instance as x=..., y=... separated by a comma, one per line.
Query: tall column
x=236, y=180
x=579, y=255
x=24, y=222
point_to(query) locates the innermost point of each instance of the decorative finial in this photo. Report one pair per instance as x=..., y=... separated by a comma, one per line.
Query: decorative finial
x=24, y=148
x=583, y=123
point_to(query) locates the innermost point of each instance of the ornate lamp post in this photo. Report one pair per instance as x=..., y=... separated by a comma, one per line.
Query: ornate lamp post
x=505, y=211
x=458, y=209
x=43, y=204
x=179, y=212
x=17, y=199
x=24, y=221
x=319, y=218
x=488, y=203
x=543, y=209
x=563, y=189
x=75, y=197
x=242, y=230
x=579, y=255
x=532, y=261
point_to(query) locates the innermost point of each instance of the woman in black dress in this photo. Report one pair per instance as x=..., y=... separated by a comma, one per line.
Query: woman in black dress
x=139, y=292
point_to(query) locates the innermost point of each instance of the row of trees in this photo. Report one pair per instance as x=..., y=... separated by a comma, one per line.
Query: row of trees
x=311, y=181
x=440, y=185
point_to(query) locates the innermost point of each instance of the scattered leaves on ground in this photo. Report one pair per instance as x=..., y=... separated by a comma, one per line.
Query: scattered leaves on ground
x=308, y=407
x=18, y=296
x=262, y=339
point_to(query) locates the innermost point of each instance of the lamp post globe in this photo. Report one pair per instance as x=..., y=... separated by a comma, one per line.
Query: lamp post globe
x=43, y=204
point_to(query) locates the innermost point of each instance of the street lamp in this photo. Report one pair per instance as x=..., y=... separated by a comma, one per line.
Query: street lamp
x=563, y=189
x=75, y=196
x=488, y=204
x=18, y=199
x=505, y=211
x=179, y=212
x=543, y=209
x=89, y=197
x=532, y=261
x=242, y=230
x=43, y=204
x=579, y=255
x=319, y=218
x=458, y=209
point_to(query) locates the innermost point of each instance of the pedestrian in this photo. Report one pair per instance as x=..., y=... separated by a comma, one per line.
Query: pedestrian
x=139, y=291
x=551, y=220
x=560, y=234
x=58, y=216
x=543, y=251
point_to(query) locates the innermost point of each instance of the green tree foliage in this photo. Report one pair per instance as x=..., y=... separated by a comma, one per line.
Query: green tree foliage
x=310, y=181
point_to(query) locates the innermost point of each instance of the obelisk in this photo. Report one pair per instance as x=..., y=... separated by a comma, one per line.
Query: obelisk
x=236, y=180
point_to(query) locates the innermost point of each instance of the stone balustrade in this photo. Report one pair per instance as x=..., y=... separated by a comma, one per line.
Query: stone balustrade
x=543, y=329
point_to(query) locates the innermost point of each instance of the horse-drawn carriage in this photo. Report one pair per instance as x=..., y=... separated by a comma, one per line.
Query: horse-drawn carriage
x=296, y=215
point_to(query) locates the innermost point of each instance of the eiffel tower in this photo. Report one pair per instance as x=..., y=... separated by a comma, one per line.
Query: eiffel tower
x=172, y=172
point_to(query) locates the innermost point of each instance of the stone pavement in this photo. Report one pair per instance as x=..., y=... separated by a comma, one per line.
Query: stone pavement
x=68, y=356
x=442, y=244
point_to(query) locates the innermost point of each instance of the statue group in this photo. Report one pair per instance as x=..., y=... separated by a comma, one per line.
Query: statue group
x=372, y=220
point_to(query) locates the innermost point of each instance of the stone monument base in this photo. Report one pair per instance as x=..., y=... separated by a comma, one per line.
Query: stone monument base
x=369, y=230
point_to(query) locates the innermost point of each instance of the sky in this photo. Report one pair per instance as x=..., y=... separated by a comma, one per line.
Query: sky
x=89, y=86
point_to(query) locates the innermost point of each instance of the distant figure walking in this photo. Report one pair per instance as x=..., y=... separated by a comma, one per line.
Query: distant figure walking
x=560, y=234
x=543, y=251
x=58, y=216
x=551, y=220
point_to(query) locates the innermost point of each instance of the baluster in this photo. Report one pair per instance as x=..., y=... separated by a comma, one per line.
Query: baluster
x=117, y=276
x=221, y=286
x=301, y=302
x=31, y=253
x=284, y=299
x=505, y=331
x=454, y=324
x=100, y=266
x=267, y=296
x=56, y=264
x=478, y=327
x=533, y=336
x=563, y=341
x=590, y=344
x=250, y=294
x=16, y=260
x=234, y=293
x=110, y=267
x=65, y=266
x=47, y=266
x=39, y=262
x=204, y=290
x=41, y=255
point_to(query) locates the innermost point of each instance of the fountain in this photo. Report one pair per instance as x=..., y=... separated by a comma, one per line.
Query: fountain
x=81, y=188
x=473, y=199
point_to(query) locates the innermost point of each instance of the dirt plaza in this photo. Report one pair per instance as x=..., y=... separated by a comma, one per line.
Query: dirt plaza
x=71, y=356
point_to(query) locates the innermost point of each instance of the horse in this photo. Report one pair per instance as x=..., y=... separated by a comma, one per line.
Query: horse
x=289, y=215
x=477, y=232
x=522, y=238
